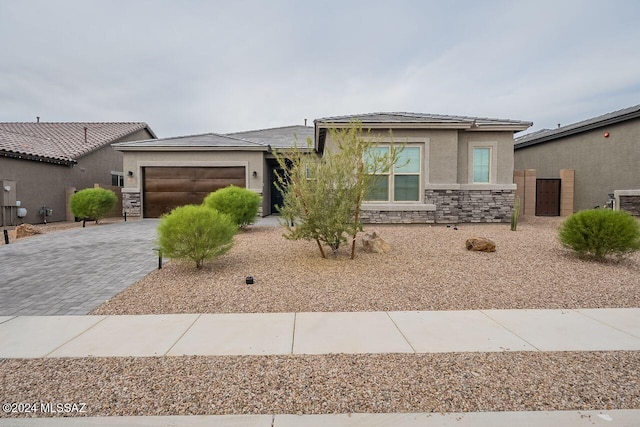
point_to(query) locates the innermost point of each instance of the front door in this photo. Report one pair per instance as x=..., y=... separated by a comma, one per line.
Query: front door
x=547, y=197
x=277, y=198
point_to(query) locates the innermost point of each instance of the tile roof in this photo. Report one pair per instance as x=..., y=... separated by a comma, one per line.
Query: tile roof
x=422, y=118
x=280, y=137
x=545, y=135
x=62, y=141
x=205, y=140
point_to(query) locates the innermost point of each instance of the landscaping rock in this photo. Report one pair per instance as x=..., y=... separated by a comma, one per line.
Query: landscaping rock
x=480, y=244
x=26, y=230
x=372, y=242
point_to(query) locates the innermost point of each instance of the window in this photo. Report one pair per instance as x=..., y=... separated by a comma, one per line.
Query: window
x=117, y=179
x=402, y=182
x=482, y=165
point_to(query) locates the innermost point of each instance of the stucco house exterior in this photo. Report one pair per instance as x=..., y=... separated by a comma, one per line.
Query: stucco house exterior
x=459, y=169
x=43, y=162
x=577, y=166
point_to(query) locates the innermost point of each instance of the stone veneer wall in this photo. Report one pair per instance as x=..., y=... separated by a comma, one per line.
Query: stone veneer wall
x=452, y=206
x=630, y=204
x=131, y=204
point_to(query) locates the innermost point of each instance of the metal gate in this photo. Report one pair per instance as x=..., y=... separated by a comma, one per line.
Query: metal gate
x=548, y=197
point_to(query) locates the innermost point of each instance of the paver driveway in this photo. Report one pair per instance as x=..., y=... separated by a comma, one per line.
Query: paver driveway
x=74, y=271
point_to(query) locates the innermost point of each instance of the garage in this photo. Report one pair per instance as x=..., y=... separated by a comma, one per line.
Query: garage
x=165, y=188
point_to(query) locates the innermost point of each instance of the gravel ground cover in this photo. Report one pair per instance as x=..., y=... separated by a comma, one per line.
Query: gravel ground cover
x=428, y=268
x=449, y=382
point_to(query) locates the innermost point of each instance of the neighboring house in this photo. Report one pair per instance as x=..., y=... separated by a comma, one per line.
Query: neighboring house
x=458, y=169
x=47, y=161
x=578, y=166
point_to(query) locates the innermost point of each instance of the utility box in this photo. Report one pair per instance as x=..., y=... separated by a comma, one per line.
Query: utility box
x=8, y=193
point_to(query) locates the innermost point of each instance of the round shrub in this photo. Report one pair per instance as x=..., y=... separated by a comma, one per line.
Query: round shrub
x=92, y=203
x=239, y=203
x=196, y=233
x=598, y=233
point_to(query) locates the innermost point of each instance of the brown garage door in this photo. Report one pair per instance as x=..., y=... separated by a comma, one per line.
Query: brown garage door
x=166, y=188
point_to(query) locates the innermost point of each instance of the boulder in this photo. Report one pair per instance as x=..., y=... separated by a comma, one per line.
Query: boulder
x=372, y=242
x=480, y=244
x=26, y=230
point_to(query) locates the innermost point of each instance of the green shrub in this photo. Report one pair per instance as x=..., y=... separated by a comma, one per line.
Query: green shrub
x=196, y=233
x=92, y=203
x=239, y=203
x=598, y=233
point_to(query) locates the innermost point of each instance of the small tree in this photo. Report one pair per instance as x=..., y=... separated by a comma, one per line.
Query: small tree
x=92, y=203
x=240, y=204
x=197, y=233
x=323, y=196
x=600, y=232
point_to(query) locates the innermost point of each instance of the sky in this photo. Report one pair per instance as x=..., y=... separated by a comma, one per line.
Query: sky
x=188, y=67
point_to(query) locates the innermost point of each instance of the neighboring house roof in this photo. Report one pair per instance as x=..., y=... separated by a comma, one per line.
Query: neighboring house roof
x=422, y=120
x=192, y=142
x=62, y=143
x=259, y=140
x=280, y=137
x=546, y=135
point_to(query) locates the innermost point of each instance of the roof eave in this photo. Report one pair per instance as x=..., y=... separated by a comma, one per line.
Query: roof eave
x=36, y=158
x=119, y=147
x=397, y=125
x=577, y=130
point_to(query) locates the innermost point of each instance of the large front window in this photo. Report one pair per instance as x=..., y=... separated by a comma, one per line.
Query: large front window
x=402, y=182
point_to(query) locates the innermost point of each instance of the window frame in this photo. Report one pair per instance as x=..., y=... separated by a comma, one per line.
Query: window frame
x=120, y=176
x=391, y=174
x=493, y=164
x=488, y=166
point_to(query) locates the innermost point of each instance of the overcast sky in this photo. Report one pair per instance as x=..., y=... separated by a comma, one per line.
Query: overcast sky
x=188, y=67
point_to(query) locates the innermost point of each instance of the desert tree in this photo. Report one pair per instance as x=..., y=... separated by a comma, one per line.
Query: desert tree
x=323, y=195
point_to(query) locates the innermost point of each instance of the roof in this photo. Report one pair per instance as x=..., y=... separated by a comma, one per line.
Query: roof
x=259, y=140
x=62, y=143
x=422, y=120
x=546, y=135
x=200, y=141
x=280, y=137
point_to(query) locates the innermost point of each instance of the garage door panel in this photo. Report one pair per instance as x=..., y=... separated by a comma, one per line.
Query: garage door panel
x=212, y=185
x=166, y=188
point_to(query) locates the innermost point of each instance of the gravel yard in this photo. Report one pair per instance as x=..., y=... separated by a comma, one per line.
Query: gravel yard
x=449, y=382
x=428, y=268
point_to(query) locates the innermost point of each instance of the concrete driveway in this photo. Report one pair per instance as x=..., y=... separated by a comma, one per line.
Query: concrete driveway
x=74, y=271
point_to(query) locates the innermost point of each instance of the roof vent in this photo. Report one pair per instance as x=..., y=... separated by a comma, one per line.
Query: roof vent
x=85, y=134
x=37, y=119
x=558, y=125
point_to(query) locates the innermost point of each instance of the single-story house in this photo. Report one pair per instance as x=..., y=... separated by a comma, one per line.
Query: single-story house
x=583, y=165
x=42, y=163
x=459, y=169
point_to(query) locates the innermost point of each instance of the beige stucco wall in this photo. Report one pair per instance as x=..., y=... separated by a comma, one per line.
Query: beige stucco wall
x=601, y=164
x=502, y=142
x=135, y=160
x=446, y=153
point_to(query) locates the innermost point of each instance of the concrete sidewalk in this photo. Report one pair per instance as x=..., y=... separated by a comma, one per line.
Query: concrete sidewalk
x=617, y=418
x=320, y=333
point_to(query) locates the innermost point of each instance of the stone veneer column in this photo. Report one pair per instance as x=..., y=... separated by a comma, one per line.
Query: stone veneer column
x=131, y=203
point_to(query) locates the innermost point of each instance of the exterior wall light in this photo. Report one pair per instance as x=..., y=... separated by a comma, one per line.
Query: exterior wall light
x=254, y=173
x=130, y=173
